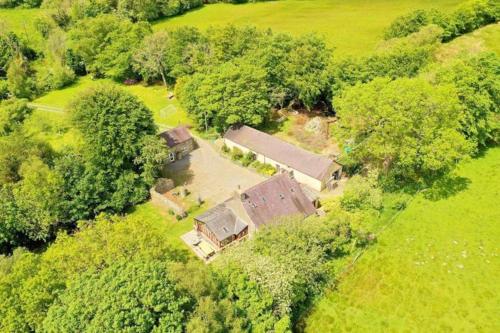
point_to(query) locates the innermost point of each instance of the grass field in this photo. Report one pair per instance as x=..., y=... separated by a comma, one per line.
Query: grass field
x=353, y=27
x=484, y=39
x=436, y=268
x=165, y=111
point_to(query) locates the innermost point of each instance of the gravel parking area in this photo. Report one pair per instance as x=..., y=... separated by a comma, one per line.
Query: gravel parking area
x=210, y=176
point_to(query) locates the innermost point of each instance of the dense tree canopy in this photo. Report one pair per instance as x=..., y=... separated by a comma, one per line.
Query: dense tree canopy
x=121, y=154
x=233, y=93
x=476, y=81
x=405, y=128
x=106, y=44
x=126, y=296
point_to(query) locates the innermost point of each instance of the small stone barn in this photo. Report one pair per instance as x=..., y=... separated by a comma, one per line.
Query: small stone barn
x=316, y=171
x=179, y=141
x=277, y=197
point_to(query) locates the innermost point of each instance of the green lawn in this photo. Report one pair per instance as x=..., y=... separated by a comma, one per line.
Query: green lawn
x=21, y=21
x=353, y=27
x=436, y=268
x=166, y=111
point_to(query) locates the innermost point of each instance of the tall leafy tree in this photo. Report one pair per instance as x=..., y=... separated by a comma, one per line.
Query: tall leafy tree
x=13, y=112
x=476, y=81
x=405, y=128
x=232, y=93
x=106, y=44
x=121, y=154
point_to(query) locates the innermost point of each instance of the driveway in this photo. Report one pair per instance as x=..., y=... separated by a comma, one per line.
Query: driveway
x=210, y=176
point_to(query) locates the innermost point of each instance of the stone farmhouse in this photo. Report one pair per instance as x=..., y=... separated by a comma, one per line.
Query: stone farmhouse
x=277, y=197
x=316, y=171
x=179, y=141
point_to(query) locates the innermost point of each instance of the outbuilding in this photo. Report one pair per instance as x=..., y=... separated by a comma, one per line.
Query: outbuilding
x=179, y=141
x=316, y=171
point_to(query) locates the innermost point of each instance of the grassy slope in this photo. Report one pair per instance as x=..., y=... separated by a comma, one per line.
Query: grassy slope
x=353, y=27
x=484, y=39
x=165, y=111
x=435, y=269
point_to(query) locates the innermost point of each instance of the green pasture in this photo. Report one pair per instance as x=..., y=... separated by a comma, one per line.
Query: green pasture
x=436, y=268
x=352, y=27
x=481, y=40
x=166, y=111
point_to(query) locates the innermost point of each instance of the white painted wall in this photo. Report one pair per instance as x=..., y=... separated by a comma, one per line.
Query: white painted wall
x=312, y=182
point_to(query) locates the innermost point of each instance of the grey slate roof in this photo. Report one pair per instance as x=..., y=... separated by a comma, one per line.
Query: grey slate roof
x=176, y=136
x=222, y=221
x=311, y=164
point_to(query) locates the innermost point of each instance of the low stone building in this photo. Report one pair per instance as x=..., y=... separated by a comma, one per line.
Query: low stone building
x=316, y=171
x=277, y=197
x=179, y=141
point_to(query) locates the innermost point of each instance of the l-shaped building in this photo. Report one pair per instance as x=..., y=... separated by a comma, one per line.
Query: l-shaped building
x=265, y=203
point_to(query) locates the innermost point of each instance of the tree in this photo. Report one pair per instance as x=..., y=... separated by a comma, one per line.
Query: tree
x=168, y=55
x=13, y=112
x=106, y=44
x=406, y=128
x=232, y=93
x=476, y=82
x=120, y=156
x=305, y=69
x=127, y=296
x=20, y=78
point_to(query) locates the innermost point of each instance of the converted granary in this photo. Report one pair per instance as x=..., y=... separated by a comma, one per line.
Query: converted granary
x=277, y=197
x=316, y=171
x=179, y=141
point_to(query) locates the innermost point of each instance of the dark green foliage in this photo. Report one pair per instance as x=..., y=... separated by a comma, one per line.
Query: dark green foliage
x=476, y=82
x=137, y=296
x=406, y=129
x=20, y=78
x=105, y=44
x=9, y=47
x=121, y=155
x=13, y=112
x=33, y=282
x=232, y=93
x=20, y=3
x=167, y=55
x=412, y=22
x=134, y=10
x=299, y=253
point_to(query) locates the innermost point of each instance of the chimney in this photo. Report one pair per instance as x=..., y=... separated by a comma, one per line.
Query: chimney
x=240, y=194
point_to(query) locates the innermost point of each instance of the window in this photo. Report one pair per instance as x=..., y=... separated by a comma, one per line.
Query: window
x=282, y=197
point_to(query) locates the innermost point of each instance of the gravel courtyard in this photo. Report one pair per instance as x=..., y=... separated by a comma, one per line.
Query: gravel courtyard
x=212, y=177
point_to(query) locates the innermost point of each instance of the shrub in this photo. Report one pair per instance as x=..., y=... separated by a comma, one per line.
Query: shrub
x=263, y=168
x=225, y=149
x=236, y=154
x=362, y=193
x=248, y=158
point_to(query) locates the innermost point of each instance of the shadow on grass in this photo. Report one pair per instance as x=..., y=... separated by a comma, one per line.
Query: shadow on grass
x=446, y=187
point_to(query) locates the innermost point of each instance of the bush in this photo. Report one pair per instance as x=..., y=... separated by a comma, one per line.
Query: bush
x=248, y=158
x=362, y=193
x=4, y=89
x=225, y=149
x=236, y=154
x=263, y=168
x=468, y=17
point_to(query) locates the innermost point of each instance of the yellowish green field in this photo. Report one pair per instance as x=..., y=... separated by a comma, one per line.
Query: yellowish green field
x=436, y=268
x=352, y=27
x=166, y=111
x=481, y=40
